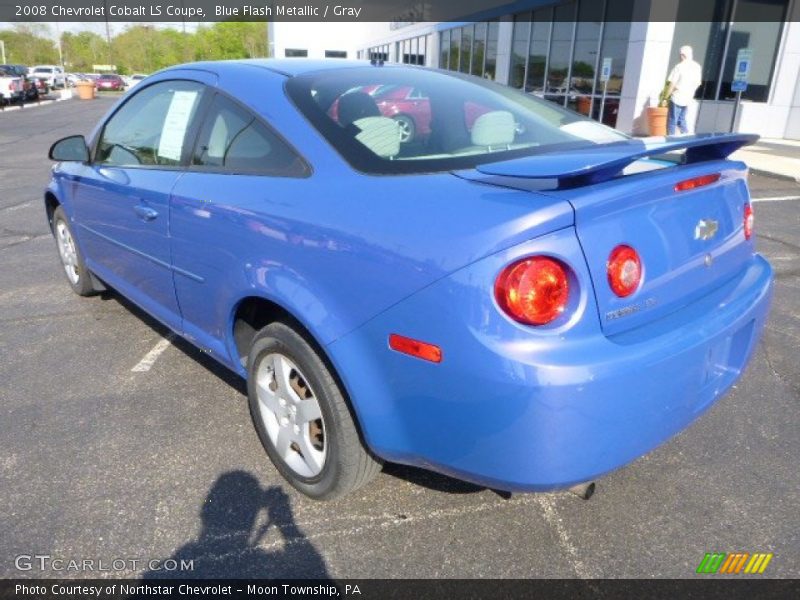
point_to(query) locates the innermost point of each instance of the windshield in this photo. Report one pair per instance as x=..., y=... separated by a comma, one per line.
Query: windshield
x=406, y=120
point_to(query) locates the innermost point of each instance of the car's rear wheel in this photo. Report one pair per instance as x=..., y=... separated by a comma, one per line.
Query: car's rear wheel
x=302, y=417
x=71, y=258
x=407, y=128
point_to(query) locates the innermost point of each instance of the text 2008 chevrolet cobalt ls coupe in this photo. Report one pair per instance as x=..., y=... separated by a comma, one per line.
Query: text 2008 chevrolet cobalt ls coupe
x=516, y=296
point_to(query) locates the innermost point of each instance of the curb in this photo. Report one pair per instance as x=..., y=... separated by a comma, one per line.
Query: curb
x=774, y=175
x=33, y=104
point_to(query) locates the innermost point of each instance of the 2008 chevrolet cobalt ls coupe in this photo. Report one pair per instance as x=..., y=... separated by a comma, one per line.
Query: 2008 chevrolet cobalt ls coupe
x=516, y=295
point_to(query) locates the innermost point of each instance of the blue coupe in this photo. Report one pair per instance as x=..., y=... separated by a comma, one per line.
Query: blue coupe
x=516, y=295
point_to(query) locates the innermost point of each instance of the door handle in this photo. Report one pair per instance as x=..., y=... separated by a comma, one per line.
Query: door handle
x=145, y=213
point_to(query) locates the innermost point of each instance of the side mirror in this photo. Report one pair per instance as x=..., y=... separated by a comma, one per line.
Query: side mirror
x=72, y=148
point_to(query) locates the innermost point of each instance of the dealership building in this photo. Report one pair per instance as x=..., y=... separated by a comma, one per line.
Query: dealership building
x=608, y=59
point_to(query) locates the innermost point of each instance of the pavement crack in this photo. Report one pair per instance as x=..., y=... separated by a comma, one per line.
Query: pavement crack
x=778, y=240
x=547, y=504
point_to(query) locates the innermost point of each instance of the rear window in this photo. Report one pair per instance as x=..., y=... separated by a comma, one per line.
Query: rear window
x=409, y=120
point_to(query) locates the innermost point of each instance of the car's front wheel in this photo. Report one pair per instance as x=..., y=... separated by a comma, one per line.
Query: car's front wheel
x=302, y=417
x=71, y=258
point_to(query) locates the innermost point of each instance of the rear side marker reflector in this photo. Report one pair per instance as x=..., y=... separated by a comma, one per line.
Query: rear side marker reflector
x=696, y=182
x=415, y=348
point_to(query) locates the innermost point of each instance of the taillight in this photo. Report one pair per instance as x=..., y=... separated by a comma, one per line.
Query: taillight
x=696, y=182
x=533, y=290
x=624, y=270
x=748, y=221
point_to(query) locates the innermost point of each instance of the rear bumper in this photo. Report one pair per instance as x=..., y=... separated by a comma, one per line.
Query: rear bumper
x=527, y=412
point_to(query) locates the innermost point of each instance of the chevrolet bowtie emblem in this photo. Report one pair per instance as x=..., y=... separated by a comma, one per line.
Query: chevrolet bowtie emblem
x=706, y=229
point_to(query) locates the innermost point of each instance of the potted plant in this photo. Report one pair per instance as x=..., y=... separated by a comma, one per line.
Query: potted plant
x=657, y=115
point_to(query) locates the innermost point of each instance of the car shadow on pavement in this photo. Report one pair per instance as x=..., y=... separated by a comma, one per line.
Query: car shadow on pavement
x=431, y=480
x=247, y=532
x=202, y=358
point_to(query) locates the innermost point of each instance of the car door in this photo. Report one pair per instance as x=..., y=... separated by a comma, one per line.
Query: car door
x=229, y=206
x=121, y=199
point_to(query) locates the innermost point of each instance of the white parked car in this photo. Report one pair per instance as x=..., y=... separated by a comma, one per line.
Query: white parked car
x=12, y=89
x=132, y=80
x=52, y=74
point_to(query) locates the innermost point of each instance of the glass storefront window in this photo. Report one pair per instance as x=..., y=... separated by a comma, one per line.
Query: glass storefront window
x=557, y=82
x=585, y=56
x=729, y=26
x=566, y=47
x=519, y=49
x=756, y=25
x=490, y=63
x=455, y=49
x=479, y=49
x=444, y=50
x=470, y=49
x=466, y=49
x=537, y=53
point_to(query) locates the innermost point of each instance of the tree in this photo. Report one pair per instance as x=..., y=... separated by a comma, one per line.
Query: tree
x=83, y=50
x=27, y=44
x=140, y=48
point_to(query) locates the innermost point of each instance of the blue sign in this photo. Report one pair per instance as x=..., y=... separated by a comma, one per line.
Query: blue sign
x=605, y=71
x=739, y=86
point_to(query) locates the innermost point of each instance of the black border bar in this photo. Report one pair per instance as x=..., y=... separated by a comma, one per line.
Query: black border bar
x=398, y=12
x=701, y=587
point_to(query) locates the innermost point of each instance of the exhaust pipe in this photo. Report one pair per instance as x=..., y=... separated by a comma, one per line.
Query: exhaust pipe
x=583, y=490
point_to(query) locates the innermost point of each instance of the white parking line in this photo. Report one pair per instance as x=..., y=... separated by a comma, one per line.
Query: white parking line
x=151, y=357
x=776, y=199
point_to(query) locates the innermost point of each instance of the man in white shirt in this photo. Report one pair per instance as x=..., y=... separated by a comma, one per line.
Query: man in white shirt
x=683, y=80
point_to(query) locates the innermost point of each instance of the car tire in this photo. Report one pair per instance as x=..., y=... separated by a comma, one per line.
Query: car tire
x=289, y=385
x=78, y=276
x=407, y=128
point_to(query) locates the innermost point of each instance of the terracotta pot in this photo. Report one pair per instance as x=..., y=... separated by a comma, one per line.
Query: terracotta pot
x=85, y=90
x=657, y=120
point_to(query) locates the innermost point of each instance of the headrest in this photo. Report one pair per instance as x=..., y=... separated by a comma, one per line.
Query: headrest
x=494, y=128
x=379, y=134
x=356, y=105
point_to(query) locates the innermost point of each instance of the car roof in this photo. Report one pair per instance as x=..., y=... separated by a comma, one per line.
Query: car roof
x=290, y=67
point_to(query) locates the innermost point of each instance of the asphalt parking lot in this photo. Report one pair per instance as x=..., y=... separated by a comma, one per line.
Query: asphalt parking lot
x=99, y=461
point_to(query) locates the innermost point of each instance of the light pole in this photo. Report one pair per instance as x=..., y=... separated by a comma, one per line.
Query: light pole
x=58, y=44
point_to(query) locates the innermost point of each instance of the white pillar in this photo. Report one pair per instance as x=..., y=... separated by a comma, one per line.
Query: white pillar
x=647, y=63
x=505, y=32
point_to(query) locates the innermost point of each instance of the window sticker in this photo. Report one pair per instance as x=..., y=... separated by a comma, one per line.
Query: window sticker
x=174, y=131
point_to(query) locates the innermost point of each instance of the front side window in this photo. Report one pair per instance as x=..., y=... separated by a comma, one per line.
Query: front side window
x=150, y=129
x=401, y=120
x=233, y=140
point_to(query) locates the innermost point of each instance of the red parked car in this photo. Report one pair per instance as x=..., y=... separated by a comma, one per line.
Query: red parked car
x=110, y=82
x=409, y=107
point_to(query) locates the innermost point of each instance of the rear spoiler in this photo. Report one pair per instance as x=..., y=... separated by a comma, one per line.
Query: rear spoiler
x=600, y=162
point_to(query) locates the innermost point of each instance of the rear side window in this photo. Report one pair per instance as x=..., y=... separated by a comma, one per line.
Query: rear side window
x=150, y=129
x=233, y=140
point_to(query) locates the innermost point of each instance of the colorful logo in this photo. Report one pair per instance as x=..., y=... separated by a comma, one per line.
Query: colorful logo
x=734, y=563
